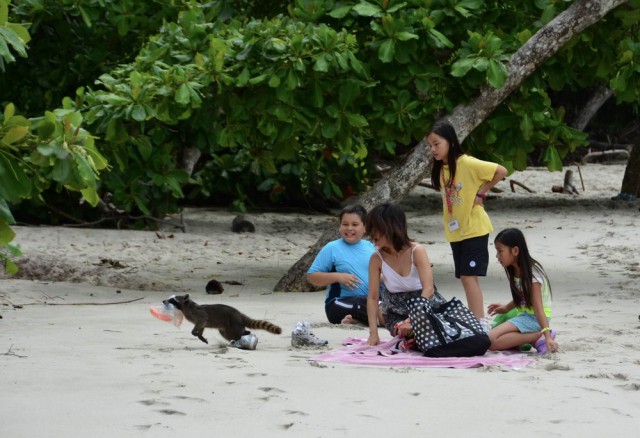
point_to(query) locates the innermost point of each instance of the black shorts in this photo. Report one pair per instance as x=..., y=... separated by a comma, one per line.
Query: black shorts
x=337, y=309
x=471, y=256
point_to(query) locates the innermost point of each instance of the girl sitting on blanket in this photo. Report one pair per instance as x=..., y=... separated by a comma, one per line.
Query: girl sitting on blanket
x=531, y=293
x=401, y=265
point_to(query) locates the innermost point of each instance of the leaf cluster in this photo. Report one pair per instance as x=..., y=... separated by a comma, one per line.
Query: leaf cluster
x=295, y=101
x=53, y=151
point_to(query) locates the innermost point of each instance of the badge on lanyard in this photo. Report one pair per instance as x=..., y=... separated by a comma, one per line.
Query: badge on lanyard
x=454, y=225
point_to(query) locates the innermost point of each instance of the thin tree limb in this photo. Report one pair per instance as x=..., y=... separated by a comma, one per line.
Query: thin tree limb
x=84, y=304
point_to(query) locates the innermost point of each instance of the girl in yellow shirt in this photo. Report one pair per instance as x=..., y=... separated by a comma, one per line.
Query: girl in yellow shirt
x=464, y=182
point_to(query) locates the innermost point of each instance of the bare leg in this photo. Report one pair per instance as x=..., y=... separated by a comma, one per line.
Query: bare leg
x=507, y=336
x=471, y=285
x=348, y=320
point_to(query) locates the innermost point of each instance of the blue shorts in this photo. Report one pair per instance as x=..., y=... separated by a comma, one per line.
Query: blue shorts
x=526, y=323
x=471, y=256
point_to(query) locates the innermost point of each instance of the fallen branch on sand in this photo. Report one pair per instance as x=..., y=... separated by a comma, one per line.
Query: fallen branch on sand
x=513, y=183
x=11, y=353
x=603, y=156
x=86, y=304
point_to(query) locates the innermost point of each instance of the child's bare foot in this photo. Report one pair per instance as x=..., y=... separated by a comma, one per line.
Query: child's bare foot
x=348, y=320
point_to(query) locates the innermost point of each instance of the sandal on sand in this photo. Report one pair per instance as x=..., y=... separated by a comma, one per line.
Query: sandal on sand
x=541, y=344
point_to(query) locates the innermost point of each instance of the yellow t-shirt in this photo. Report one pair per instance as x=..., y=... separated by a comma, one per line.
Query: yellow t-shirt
x=457, y=201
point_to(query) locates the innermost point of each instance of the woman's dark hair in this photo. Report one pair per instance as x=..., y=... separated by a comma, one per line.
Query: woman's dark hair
x=446, y=131
x=513, y=237
x=389, y=220
x=355, y=209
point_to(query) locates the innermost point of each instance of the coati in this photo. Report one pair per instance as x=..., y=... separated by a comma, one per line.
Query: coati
x=229, y=321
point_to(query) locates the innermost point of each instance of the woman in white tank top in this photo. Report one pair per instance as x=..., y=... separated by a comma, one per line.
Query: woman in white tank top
x=401, y=265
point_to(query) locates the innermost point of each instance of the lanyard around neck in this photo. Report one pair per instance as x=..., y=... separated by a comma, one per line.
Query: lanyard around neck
x=448, y=193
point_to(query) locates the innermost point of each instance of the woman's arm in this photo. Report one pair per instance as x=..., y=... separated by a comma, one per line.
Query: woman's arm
x=375, y=267
x=421, y=261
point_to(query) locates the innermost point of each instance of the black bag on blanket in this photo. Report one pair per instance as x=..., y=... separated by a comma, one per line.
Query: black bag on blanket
x=449, y=329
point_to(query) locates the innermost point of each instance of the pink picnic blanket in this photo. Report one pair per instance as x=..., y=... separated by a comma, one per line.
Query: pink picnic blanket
x=386, y=354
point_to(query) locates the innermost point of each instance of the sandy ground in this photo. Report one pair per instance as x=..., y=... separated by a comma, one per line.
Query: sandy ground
x=81, y=356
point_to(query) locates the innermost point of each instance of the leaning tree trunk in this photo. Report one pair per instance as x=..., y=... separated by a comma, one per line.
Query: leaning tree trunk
x=393, y=186
x=631, y=181
x=464, y=118
x=600, y=95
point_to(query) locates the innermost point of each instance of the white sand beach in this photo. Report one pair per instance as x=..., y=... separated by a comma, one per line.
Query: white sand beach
x=81, y=355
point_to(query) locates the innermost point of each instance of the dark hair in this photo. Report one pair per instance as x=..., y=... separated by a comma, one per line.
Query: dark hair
x=355, y=209
x=446, y=131
x=513, y=237
x=389, y=220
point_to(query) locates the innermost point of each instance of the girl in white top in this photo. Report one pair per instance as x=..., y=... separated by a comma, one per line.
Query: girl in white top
x=530, y=293
x=401, y=265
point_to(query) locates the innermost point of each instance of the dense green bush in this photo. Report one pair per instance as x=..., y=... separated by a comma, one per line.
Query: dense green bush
x=293, y=102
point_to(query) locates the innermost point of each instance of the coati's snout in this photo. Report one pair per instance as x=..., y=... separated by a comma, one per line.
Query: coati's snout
x=176, y=300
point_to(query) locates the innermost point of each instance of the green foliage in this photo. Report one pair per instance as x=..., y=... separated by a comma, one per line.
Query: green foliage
x=53, y=151
x=485, y=55
x=626, y=82
x=13, y=37
x=73, y=42
x=290, y=102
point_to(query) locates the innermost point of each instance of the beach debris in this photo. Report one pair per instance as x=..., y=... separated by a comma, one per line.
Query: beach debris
x=241, y=225
x=513, y=183
x=302, y=336
x=111, y=263
x=607, y=156
x=234, y=282
x=568, y=187
x=214, y=287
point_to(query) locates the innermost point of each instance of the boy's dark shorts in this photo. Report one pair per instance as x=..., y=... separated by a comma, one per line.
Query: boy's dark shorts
x=337, y=309
x=471, y=256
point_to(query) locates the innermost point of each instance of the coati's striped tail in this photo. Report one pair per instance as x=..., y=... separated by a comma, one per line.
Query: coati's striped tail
x=263, y=325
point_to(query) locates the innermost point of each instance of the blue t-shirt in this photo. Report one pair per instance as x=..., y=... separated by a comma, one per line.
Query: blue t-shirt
x=351, y=258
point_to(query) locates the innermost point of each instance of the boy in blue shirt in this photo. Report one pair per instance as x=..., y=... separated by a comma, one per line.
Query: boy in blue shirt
x=343, y=266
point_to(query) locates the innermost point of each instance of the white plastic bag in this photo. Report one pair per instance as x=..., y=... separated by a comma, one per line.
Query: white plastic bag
x=168, y=313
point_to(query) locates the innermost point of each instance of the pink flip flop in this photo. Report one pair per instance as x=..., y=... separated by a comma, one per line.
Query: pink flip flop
x=541, y=344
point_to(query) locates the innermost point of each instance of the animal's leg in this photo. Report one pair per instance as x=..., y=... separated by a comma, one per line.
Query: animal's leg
x=197, y=332
x=232, y=331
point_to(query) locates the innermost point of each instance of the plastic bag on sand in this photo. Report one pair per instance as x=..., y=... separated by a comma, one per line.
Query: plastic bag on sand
x=168, y=313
